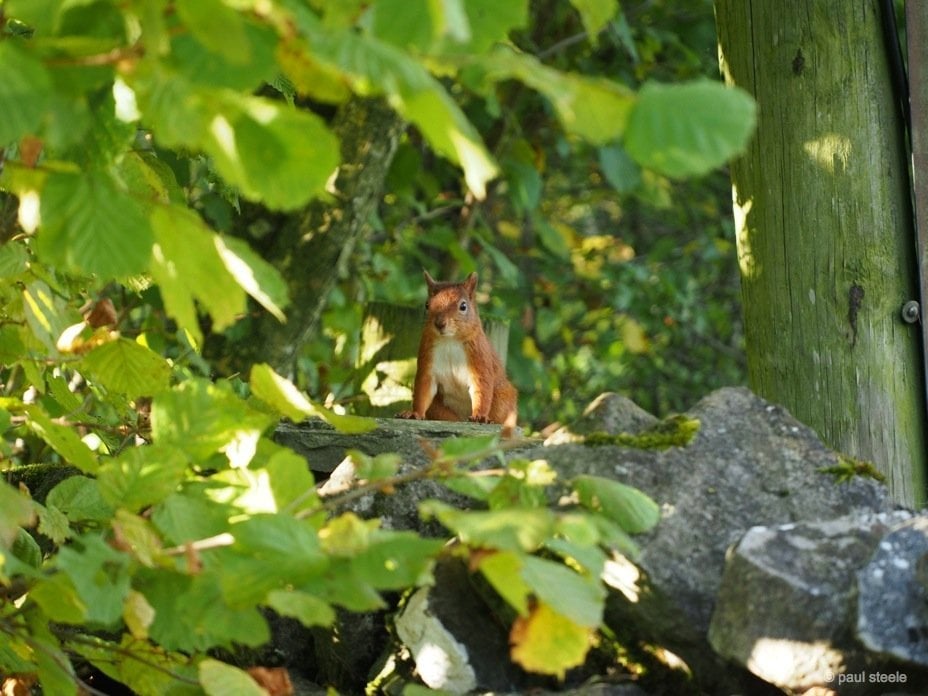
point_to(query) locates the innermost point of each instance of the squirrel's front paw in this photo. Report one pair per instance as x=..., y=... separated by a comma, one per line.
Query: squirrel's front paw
x=408, y=415
x=479, y=419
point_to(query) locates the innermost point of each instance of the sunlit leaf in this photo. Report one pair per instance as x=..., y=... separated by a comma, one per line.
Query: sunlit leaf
x=282, y=394
x=141, y=476
x=221, y=679
x=187, y=266
x=177, y=418
x=509, y=529
x=255, y=275
x=62, y=438
x=633, y=510
x=125, y=367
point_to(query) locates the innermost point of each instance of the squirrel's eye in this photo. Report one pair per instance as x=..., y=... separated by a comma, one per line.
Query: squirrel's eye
x=463, y=306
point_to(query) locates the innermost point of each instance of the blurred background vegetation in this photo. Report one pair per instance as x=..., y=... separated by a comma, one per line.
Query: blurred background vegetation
x=612, y=278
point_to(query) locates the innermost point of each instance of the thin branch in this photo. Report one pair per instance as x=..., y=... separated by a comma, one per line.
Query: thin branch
x=109, y=58
x=561, y=45
x=124, y=652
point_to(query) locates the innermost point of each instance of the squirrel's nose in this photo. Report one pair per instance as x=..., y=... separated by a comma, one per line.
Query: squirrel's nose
x=440, y=323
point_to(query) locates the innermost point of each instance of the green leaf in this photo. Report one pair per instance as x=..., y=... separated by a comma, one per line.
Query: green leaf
x=190, y=614
x=397, y=560
x=181, y=518
x=269, y=150
x=367, y=468
x=158, y=672
x=491, y=22
x=291, y=482
x=593, y=108
x=218, y=27
x=125, y=367
x=57, y=597
x=507, y=530
x=595, y=14
x=141, y=476
x=469, y=447
x=255, y=275
x=90, y=224
x=62, y=439
x=26, y=549
x=503, y=570
x=138, y=536
x=407, y=24
x=100, y=576
x=689, y=129
x=270, y=551
x=308, y=609
x=25, y=93
x=373, y=67
x=56, y=673
x=242, y=65
x=53, y=523
x=187, y=266
x=16, y=511
x=13, y=258
x=79, y=498
x=221, y=679
x=582, y=598
x=282, y=395
x=41, y=15
x=177, y=419
x=634, y=511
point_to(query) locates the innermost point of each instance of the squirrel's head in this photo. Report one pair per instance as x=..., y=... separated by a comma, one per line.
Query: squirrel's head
x=451, y=305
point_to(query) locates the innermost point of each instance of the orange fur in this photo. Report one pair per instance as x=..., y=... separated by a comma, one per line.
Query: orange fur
x=458, y=375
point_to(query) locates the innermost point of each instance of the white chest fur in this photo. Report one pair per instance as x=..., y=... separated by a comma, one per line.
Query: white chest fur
x=449, y=370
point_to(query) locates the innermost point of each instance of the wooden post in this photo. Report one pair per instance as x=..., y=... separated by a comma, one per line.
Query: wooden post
x=916, y=19
x=823, y=221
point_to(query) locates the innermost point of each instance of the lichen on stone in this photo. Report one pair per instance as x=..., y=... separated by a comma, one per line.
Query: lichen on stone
x=674, y=431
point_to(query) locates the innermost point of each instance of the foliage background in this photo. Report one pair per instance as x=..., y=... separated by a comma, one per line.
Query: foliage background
x=612, y=278
x=167, y=174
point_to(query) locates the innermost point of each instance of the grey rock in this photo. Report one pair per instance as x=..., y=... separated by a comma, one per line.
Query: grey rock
x=608, y=413
x=786, y=607
x=751, y=463
x=893, y=598
x=456, y=644
x=324, y=447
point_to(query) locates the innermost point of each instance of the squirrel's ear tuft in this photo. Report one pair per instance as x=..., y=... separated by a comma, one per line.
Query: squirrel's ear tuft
x=429, y=280
x=470, y=284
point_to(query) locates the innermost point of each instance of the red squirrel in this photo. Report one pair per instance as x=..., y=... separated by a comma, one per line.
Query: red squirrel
x=458, y=374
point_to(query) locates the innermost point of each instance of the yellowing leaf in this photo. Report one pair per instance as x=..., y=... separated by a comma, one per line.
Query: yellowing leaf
x=221, y=679
x=138, y=614
x=547, y=643
x=633, y=336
